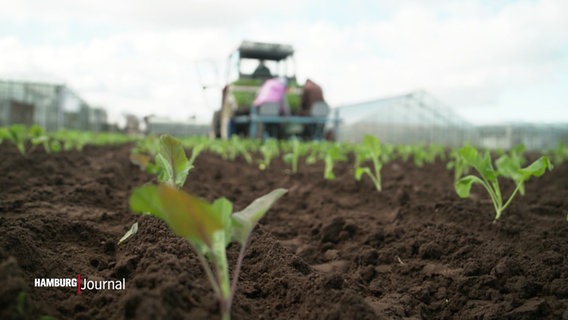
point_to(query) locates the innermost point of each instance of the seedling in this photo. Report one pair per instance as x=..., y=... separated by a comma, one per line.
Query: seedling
x=209, y=228
x=360, y=155
x=269, y=151
x=373, y=147
x=240, y=147
x=18, y=134
x=4, y=134
x=387, y=153
x=38, y=137
x=457, y=163
x=293, y=157
x=404, y=152
x=173, y=163
x=334, y=154
x=507, y=166
x=559, y=154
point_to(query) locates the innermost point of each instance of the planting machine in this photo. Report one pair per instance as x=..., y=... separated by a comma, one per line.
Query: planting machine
x=237, y=114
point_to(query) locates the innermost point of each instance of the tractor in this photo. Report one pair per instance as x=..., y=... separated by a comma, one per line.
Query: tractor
x=237, y=115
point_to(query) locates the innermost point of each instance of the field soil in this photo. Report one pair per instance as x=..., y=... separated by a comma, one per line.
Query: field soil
x=326, y=250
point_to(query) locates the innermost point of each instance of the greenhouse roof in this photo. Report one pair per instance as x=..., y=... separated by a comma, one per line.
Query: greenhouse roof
x=415, y=108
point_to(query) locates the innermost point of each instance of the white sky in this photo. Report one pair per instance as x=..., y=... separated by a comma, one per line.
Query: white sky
x=490, y=60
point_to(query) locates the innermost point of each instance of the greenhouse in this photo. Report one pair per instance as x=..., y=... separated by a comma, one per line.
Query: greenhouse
x=417, y=117
x=406, y=119
x=52, y=106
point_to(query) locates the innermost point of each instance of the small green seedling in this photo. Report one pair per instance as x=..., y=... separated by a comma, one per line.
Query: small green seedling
x=18, y=134
x=4, y=134
x=508, y=166
x=559, y=154
x=387, y=153
x=404, y=152
x=172, y=167
x=209, y=228
x=38, y=136
x=457, y=163
x=269, y=151
x=334, y=154
x=173, y=163
x=373, y=147
x=241, y=148
x=293, y=157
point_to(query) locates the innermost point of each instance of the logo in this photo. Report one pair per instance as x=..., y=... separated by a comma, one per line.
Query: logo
x=82, y=284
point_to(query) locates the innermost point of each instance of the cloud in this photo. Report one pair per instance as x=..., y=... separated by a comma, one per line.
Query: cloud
x=467, y=55
x=144, y=59
x=145, y=14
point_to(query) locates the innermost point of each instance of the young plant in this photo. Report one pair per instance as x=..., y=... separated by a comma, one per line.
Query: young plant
x=240, y=147
x=360, y=154
x=404, y=151
x=559, y=154
x=208, y=227
x=373, y=147
x=293, y=157
x=269, y=151
x=38, y=136
x=173, y=165
x=387, y=153
x=507, y=166
x=457, y=163
x=4, y=134
x=334, y=154
x=18, y=134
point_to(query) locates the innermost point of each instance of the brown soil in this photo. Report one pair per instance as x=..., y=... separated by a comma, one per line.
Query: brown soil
x=327, y=250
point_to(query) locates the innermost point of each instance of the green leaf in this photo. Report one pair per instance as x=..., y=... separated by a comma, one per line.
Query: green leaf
x=508, y=167
x=36, y=131
x=145, y=200
x=173, y=161
x=245, y=220
x=360, y=171
x=372, y=143
x=311, y=159
x=537, y=168
x=469, y=154
x=18, y=134
x=289, y=157
x=482, y=164
x=189, y=216
x=55, y=146
x=195, y=151
x=463, y=185
x=224, y=209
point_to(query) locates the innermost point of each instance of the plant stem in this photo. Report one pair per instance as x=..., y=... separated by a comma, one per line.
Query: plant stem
x=222, y=273
x=210, y=276
x=509, y=200
x=238, y=269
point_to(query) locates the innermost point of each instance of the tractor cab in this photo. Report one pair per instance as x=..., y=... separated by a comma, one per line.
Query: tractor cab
x=254, y=62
